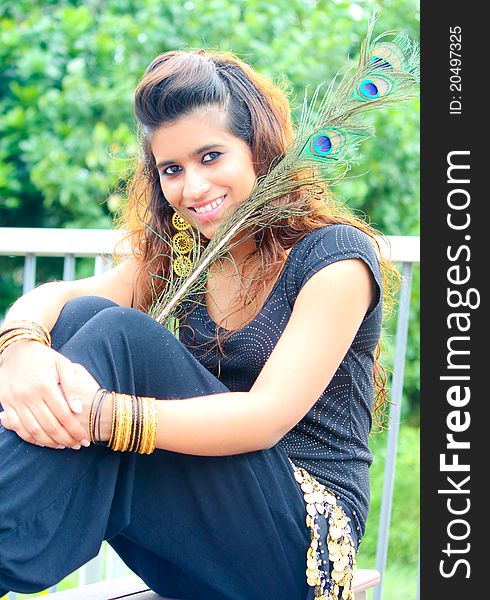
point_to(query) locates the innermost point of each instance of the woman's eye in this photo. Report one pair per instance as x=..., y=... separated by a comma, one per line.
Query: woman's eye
x=171, y=170
x=210, y=156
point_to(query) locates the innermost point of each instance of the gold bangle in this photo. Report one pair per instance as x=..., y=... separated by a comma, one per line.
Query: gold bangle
x=119, y=422
x=127, y=422
x=27, y=326
x=134, y=424
x=144, y=431
x=133, y=419
x=15, y=331
x=139, y=425
x=153, y=439
x=123, y=422
x=148, y=442
x=6, y=342
x=113, y=443
x=113, y=421
x=12, y=335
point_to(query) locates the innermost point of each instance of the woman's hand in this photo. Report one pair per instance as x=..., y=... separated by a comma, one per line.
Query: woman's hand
x=33, y=380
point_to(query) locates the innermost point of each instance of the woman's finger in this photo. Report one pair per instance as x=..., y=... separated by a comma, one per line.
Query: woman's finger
x=51, y=427
x=25, y=427
x=42, y=413
x=33, y=420
x=57, y=404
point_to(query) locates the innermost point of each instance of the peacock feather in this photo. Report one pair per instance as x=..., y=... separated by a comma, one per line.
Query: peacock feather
x=331, y=127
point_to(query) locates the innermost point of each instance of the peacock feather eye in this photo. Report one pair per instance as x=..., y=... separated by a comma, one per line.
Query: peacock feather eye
x=322, y=145
x=369, y=89
x=386, y=55
x=373, y=88
x=378, y=62
x=325, y=144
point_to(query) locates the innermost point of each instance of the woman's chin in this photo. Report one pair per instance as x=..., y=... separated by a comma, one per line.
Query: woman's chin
x=207, y=231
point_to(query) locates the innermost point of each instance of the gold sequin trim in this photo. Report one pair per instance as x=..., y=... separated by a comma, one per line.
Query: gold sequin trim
x=331, y=577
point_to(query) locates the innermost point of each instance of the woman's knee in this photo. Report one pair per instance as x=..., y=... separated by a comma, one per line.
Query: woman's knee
x=86, y=307
x=131, y=322
x=75, y=314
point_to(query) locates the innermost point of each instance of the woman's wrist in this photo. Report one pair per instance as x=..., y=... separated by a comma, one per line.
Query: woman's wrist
x=15, y=346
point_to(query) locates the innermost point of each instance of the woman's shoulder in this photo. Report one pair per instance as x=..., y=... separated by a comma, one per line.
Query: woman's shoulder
x=328, y=244
x=339, y=240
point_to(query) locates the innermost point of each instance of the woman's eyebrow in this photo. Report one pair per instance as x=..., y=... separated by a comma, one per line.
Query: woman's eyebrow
x=207, y=147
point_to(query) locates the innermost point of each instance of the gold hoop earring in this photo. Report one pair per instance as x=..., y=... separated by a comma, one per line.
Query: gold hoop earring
x=182, y=244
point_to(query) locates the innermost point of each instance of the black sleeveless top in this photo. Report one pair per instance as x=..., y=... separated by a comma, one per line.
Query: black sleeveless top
x=331, y=441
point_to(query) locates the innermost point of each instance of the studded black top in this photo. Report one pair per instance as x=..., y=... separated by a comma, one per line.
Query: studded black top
x=331, y=441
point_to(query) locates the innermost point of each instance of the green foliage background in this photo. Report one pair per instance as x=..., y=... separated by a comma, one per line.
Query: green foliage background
x=68, y=69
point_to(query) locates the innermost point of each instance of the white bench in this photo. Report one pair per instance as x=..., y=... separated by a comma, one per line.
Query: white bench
x=132, y=587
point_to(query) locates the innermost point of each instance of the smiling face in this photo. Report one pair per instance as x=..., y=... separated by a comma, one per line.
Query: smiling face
x=205, y=171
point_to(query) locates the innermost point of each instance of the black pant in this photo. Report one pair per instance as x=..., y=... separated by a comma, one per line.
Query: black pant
x=227, y=527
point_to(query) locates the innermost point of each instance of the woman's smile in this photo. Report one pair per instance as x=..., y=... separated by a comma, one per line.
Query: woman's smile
x=209, y=210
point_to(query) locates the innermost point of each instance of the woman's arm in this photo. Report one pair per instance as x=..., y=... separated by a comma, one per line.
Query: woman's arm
x=326, y=316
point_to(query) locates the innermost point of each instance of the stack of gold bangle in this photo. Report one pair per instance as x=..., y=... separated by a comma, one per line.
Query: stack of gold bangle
x=15, y=331
x=134, y=422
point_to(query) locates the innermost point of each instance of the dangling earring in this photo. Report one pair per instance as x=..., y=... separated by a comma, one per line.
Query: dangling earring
x=182, y=244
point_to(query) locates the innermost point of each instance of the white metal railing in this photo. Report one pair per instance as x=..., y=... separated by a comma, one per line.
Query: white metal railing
x=98, y=243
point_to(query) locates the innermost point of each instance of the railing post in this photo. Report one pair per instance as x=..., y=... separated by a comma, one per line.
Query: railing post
x=69, y=267
x=102, y=263
x=394, y=424
x=29, y=273
x=93, y=570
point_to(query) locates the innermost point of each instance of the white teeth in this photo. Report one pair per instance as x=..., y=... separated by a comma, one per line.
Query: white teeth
x=209, y=207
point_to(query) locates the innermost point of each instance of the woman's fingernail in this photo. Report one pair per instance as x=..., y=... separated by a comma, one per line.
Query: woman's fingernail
x=60, y=447
x=76, y=405
x=85, y=443
x=76, y=447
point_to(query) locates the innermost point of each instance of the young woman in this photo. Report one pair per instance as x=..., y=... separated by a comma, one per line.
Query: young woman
x=251, y=466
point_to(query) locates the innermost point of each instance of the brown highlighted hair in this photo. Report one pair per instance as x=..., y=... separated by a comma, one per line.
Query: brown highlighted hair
x=177, y=83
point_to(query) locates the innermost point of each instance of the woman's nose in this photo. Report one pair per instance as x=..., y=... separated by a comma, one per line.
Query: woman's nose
x=194, y=187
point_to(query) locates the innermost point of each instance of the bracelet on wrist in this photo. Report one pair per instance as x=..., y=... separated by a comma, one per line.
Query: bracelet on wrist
x=133, y=424
x=15, y=331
